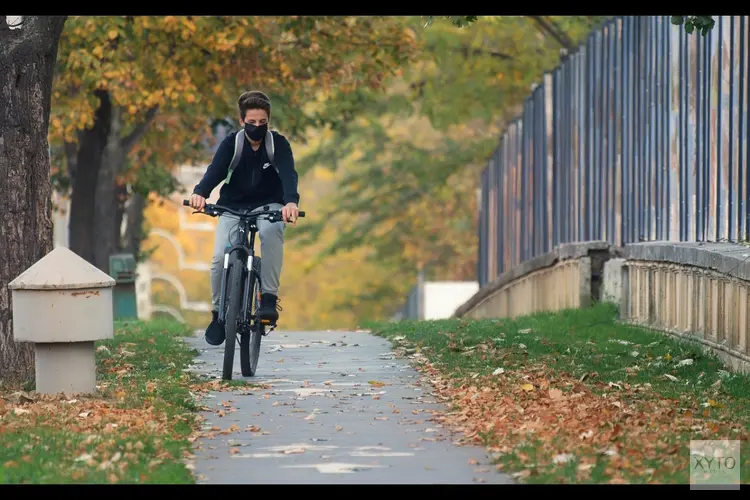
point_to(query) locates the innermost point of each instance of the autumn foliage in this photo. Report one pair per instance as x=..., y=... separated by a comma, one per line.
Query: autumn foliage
x=144, y=91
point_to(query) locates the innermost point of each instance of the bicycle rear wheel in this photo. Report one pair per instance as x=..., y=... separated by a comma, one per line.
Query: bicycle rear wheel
x=250, y=341
x=234, y=303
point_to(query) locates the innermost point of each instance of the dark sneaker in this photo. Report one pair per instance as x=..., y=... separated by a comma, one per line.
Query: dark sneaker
x=215, y=333
x=269, y=307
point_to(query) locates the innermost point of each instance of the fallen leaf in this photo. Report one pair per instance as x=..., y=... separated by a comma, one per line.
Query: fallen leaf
x=376, y=383
x=671, y=377
x=21, y=411
x=234, y=451
x=555, y=393
x=523, y=474
x=295, y=451
x=563, y=458
x=527, y=387
x=473, y=461
x=499, y=371
x=381, y=418
x=525, y=331
x=10, y=464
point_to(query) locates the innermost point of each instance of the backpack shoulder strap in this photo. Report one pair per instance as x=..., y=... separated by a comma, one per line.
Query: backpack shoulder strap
x=270, y=149
x=239, y=141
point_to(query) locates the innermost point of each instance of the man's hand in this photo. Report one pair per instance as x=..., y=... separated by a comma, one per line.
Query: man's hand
x=197, y=202
x=290, y=213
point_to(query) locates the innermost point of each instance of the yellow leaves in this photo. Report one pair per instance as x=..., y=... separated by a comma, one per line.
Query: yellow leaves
x=98, y=52
x=189, y=24
x=286, y=71
x=190, y=98
x=132, y=109
x=112, y=34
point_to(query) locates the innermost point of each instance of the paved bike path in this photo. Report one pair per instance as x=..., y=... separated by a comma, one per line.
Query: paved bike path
x=321, y=420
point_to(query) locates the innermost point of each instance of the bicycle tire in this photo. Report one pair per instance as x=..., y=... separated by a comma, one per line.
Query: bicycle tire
x=250, y=341
x=234, y=303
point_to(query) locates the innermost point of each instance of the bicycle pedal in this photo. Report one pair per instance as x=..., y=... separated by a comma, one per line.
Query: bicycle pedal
x=272, y=328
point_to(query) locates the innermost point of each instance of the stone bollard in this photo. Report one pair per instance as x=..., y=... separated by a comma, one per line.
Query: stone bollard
x=63, y=304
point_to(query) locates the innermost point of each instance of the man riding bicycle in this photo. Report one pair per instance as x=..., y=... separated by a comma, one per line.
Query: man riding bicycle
x=251, y=185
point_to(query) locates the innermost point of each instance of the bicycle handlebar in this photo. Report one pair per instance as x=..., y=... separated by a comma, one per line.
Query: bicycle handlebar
x=214, y=210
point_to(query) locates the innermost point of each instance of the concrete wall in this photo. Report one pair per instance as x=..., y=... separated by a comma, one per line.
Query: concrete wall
x=568, y=277
x=696, y=291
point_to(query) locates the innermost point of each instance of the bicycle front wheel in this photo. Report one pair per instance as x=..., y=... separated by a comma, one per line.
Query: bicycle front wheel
x=250, y=341
x=234, y=303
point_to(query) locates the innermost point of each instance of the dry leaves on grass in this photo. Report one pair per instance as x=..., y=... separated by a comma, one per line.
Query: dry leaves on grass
x=80, y=414
x=561, y=415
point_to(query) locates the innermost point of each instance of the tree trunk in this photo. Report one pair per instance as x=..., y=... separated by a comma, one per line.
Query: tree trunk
x=106, y=232
x=134, y=224
x=121, y=192
x=27, y=61
x=95, y=216
x=91, y=145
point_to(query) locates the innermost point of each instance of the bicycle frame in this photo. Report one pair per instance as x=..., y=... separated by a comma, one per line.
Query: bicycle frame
x=247, y=231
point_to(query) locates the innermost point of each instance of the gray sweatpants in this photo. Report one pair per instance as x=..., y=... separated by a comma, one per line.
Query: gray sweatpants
x=271, y=249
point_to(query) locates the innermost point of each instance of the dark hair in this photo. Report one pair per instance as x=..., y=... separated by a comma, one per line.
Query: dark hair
x=254, y=99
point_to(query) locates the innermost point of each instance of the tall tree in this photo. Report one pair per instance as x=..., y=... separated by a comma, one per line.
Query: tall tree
x=412, y=157
x=28, y=53
x=120, y=76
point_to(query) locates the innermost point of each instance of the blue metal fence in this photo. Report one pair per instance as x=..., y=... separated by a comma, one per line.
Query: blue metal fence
x=640, y=135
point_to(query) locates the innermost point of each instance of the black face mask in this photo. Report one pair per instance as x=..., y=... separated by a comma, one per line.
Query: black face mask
x=256, y=132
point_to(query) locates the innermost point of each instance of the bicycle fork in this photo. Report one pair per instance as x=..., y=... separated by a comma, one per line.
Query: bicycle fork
x=223, y=294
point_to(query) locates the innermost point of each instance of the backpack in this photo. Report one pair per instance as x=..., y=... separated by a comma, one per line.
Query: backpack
x=239, y=142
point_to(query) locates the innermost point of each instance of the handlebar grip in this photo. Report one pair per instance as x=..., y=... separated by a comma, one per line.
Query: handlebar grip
x=302, y=213
x=186, y=203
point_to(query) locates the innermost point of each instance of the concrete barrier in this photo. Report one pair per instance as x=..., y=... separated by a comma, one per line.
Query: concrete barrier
x=696, y=291
x=570, y=276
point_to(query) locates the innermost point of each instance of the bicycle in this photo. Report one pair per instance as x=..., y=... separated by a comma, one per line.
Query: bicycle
x=237, y=313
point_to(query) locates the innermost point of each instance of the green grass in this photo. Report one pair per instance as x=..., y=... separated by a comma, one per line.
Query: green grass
x=587, y=345
x=142, y=383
